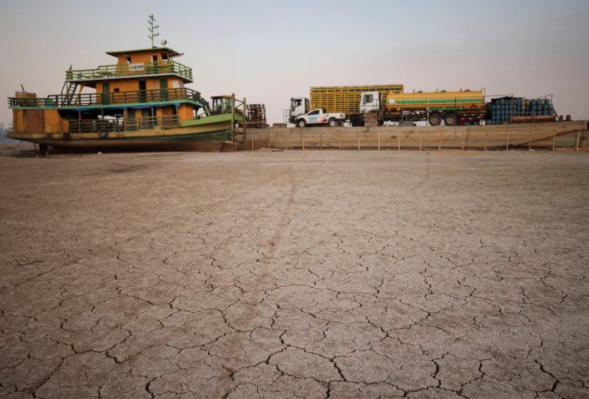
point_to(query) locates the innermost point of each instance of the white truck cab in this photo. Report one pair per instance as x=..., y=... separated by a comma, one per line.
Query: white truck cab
x=298, y=106
x=320, y=117
x=369, y=102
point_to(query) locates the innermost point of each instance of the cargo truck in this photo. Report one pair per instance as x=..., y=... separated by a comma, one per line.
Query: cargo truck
x=453, y=107
x=338, y=99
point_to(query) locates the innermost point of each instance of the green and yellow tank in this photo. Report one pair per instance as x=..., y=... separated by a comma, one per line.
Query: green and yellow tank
x=438, y=100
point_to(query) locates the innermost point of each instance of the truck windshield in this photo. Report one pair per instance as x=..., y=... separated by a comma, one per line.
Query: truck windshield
x=294, y=103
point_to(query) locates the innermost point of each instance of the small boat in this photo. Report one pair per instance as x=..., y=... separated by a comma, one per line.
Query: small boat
x=140, y=102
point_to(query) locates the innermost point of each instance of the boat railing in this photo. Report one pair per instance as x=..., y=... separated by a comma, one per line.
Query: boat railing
x=122, y=70
x=121, y=124
x=123, y=97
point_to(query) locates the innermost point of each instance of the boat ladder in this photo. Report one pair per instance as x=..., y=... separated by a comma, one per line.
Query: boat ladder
x=70, y=90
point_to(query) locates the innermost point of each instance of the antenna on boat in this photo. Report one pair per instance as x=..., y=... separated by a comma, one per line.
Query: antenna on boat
x=152, y=29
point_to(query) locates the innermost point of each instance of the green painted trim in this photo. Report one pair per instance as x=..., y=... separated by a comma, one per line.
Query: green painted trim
x=160, y=103
x=219, y=136
x=211, y=119
x=440, y=101
x=152, y=76
x=222, y=134
x=474, y=110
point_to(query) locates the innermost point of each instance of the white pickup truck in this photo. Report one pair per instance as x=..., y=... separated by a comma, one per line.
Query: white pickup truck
x=320, y=117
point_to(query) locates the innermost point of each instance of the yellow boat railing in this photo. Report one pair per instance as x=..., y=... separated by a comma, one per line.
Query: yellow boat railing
x=121, y=70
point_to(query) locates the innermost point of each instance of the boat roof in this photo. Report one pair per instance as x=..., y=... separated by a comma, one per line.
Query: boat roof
x=170, y=51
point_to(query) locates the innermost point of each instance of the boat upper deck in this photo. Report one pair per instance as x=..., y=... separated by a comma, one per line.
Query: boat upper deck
x=129, y=70
x=109, y=100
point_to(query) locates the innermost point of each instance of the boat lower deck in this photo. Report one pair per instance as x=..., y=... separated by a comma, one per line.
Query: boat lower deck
x=208, y=134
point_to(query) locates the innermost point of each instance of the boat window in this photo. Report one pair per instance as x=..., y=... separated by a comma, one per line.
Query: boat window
x=117, y=90
x=164, y=57
x=129, y=59
x=154, y=58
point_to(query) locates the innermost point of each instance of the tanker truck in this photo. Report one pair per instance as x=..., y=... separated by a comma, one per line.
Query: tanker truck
x=453, y=107
x=337, y=99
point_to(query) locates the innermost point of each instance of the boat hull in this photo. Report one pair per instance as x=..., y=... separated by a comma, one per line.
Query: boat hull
x=194, y=138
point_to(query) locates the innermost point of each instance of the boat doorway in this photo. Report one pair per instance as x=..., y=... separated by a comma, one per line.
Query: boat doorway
x=164, y=90
x=142, y=91
x=105, y=95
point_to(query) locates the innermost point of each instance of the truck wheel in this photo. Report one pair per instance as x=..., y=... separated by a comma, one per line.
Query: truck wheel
x=332, y=122
x=435, y=119
x=450, y=119
x=301, y=123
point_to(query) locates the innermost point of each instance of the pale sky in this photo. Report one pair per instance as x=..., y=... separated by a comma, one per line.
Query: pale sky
x=270, y=51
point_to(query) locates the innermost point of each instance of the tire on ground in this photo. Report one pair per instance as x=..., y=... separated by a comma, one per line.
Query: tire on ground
x=450, y=119
x=435, y=119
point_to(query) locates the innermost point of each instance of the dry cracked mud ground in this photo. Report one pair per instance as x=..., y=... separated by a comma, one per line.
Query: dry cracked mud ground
x=295, y=275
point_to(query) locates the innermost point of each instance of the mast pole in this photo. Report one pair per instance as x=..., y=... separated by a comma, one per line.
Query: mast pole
x=152, y=29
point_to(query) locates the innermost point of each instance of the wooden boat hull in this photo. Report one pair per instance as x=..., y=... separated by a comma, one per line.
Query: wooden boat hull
x=207, y=137
x=395, y=137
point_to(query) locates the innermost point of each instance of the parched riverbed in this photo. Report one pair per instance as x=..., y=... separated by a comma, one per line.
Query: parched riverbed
x=296, y=274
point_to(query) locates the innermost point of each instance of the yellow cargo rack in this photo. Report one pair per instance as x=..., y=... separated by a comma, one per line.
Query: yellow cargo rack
x=346, y=99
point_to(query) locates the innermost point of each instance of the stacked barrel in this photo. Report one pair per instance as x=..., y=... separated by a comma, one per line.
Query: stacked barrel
x=501, y=110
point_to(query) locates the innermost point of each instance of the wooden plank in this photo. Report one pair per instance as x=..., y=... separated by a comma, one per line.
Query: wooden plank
x=35, y=121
